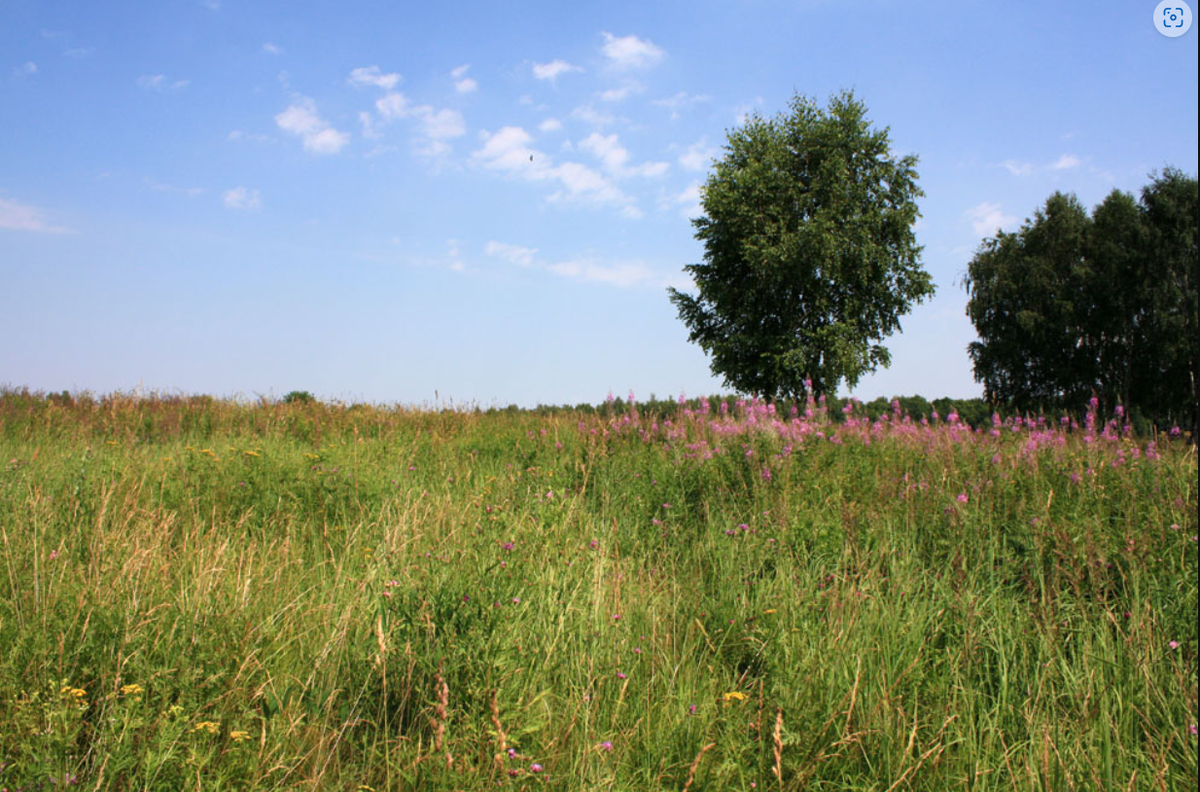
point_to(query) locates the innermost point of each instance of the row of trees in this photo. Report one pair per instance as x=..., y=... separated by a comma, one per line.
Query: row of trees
x=1074, y=305
x=810, y=261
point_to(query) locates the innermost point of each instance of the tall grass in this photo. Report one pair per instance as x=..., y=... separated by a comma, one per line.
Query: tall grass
x=196, y=594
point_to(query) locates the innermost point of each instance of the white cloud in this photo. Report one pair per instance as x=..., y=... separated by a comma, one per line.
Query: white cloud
x=508, y=150
x=987, y=218
x=160, y=83
x=26, y=69
x=581, y=182
x=552, y=70
x=440, y=124
x=463, y=83
x=607, y=150
x=301, y=119
x=630, y=52
x=687, y=202
x=437, y=126
x=371, y=75
x=615, y=157
x=613, y=94
x=1066, y=161
x=1018, y=168
x=591, y=115
x=550, y=125
x=392, y=105
x=238, y=134
x=370, y=129
x=79, y=52
x=741, y=113
x=242, y=199
x=698, y=156
x=157, y=186
x=620, y=275
x=513, y=254
x=680, y=101
x=20, y=217
x=272, y=49
x=620, y=94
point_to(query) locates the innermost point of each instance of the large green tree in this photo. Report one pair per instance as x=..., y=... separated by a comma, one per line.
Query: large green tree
x=1072, y=305
x=809, y=254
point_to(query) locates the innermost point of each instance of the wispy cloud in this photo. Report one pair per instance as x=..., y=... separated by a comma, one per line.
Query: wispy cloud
x=157, y=186
x=436, y=126
x=698, y=156
x=26, y=69
x=622, y=275
x=622, y=93
x=372, y=76
x=615, y=157
x=687, y=201
x=1018, y=167
x=272, y=49
x=509, y=151
x=987, y=218
x=630, y=52
x=301, y=119
x=160, y=83
x=21, y=217
x=243, y=199
x=513, y=254
x=588, y=269
x=1066, y=161
x=553, y=70
x=77, y=53
x=550, y=125
x=238, y=134
x=463, y=83
x=590, y=115
x=680, y=101
x=742, y=112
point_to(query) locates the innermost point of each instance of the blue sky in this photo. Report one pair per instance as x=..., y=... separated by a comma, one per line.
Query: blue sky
x=245, y=198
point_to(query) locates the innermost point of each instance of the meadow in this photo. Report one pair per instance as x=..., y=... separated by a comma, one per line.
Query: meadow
x=201, y=594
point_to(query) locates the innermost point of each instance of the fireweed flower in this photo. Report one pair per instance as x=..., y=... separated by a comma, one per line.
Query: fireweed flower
x=607, y=746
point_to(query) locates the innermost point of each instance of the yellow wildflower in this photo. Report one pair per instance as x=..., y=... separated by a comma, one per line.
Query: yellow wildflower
x=737, y=694
x=131, y=690
x=238, y=736
x=208, y=726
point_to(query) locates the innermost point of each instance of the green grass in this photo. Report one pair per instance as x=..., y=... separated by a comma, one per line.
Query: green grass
x=196, y=594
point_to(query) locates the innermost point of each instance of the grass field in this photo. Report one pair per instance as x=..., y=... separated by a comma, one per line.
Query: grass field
x=197, y=594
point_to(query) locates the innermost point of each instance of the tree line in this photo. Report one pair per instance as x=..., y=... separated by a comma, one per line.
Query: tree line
x=810, y=261
x=1075, y=305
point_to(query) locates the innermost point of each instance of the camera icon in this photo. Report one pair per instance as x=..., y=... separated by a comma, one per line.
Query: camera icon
x=1172, y=18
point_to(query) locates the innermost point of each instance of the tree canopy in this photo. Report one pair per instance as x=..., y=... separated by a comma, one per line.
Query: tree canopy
x=1072, y=305
x=809, y=254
